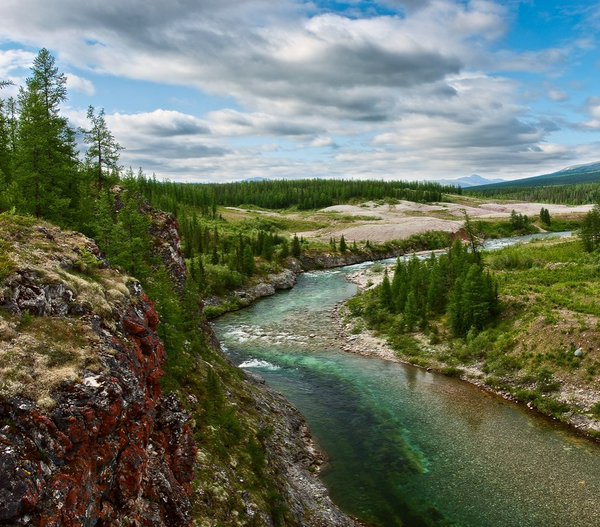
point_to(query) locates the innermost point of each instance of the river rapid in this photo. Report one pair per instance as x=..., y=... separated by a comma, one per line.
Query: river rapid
x=405, y=446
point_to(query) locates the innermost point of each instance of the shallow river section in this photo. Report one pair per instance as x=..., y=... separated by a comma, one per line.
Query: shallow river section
x=408, y=447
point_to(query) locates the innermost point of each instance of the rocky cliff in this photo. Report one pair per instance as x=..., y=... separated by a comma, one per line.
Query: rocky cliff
x=87, y=434
x=86, y=437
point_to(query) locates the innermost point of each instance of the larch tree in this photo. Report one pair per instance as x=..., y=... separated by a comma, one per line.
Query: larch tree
x=103, y=152
x=386, y=297
x=589, y=233
x=45, y=157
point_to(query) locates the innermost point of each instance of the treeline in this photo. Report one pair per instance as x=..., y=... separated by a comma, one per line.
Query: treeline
x=578, y=194
x=454, y=284
x=302, y=194
x=41, y=172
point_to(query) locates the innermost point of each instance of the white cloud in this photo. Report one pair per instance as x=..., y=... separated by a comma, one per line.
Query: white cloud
x=558, y=95
x=323, y=142
x=80, y=84
x=593, y=110
x=411, y=95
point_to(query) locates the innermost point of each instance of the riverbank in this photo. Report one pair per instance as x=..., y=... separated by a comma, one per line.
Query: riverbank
x=568, y=396
x=265, y=285
x=403, y=443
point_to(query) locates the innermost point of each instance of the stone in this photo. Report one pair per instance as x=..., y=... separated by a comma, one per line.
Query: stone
x=112, y=446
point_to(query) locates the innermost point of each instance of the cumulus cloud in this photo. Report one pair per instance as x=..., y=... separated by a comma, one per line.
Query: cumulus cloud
x=592, y=108
x=413, y=89
x=164, y=141
x=235, y=123
x=323, y=142
x=159, y=123
x=80, y=84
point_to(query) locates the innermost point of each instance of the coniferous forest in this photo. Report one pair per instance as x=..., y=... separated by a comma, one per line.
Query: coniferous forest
x=43, y=173
x=422, y=291
x=574, y=194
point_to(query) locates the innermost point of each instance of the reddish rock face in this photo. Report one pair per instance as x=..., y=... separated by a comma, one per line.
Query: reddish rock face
x=112, y=450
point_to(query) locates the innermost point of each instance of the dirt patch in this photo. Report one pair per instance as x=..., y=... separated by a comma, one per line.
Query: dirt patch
x=406, y=218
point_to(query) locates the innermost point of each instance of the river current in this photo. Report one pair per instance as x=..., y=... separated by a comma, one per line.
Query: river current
x=405, y=446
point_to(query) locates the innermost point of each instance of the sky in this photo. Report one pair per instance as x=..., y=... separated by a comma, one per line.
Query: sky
x=223, y=90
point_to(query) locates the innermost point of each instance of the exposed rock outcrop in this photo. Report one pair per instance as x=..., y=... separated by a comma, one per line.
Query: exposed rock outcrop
x=273, y=282
x=260, y=288
x=86, y=437
x=318, y=260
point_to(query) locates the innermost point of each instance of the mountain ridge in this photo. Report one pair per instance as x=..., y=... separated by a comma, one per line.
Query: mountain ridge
x=583, y=173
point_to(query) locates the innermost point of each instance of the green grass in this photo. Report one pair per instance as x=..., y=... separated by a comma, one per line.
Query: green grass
x=7, y=265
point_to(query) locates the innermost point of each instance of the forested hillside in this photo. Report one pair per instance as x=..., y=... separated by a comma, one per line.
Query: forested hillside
x=253, y=450
x=571, y=194
x=302, y=194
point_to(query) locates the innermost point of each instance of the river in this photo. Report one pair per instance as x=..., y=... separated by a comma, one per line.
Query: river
x=408, y=447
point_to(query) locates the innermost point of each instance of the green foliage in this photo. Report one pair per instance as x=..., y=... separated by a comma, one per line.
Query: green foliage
x=504, y=229
x=220, y=279
x=296, y=247
x=545, y=216
x=103, y=150
x=519, y=222
x=7, y=265
x=44, y=158
x=454, y=283
x=282, y=194
x=385, y=290
x=511, y=258
x=589, y=234
x=87, y=263
x=570, y=194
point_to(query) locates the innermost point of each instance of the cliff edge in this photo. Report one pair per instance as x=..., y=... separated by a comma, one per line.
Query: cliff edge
x=88, y=436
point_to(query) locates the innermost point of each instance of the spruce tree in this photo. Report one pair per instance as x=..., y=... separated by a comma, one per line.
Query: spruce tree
x=248, y=266
x=385, y=292
x=296, y=247
x=411, y=313
x=284, y=249
x=474, y=235
x=5, y=147
x=589, y=233
x=545, y=216
x=455, y=309
x=343, y=246
x=436, y=290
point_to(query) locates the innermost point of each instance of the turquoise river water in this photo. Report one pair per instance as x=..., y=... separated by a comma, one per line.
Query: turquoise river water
x=408, y=447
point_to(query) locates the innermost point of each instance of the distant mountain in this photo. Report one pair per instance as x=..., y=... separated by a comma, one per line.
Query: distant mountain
x=588, y=173
x=256, y=178
x=469, y=181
